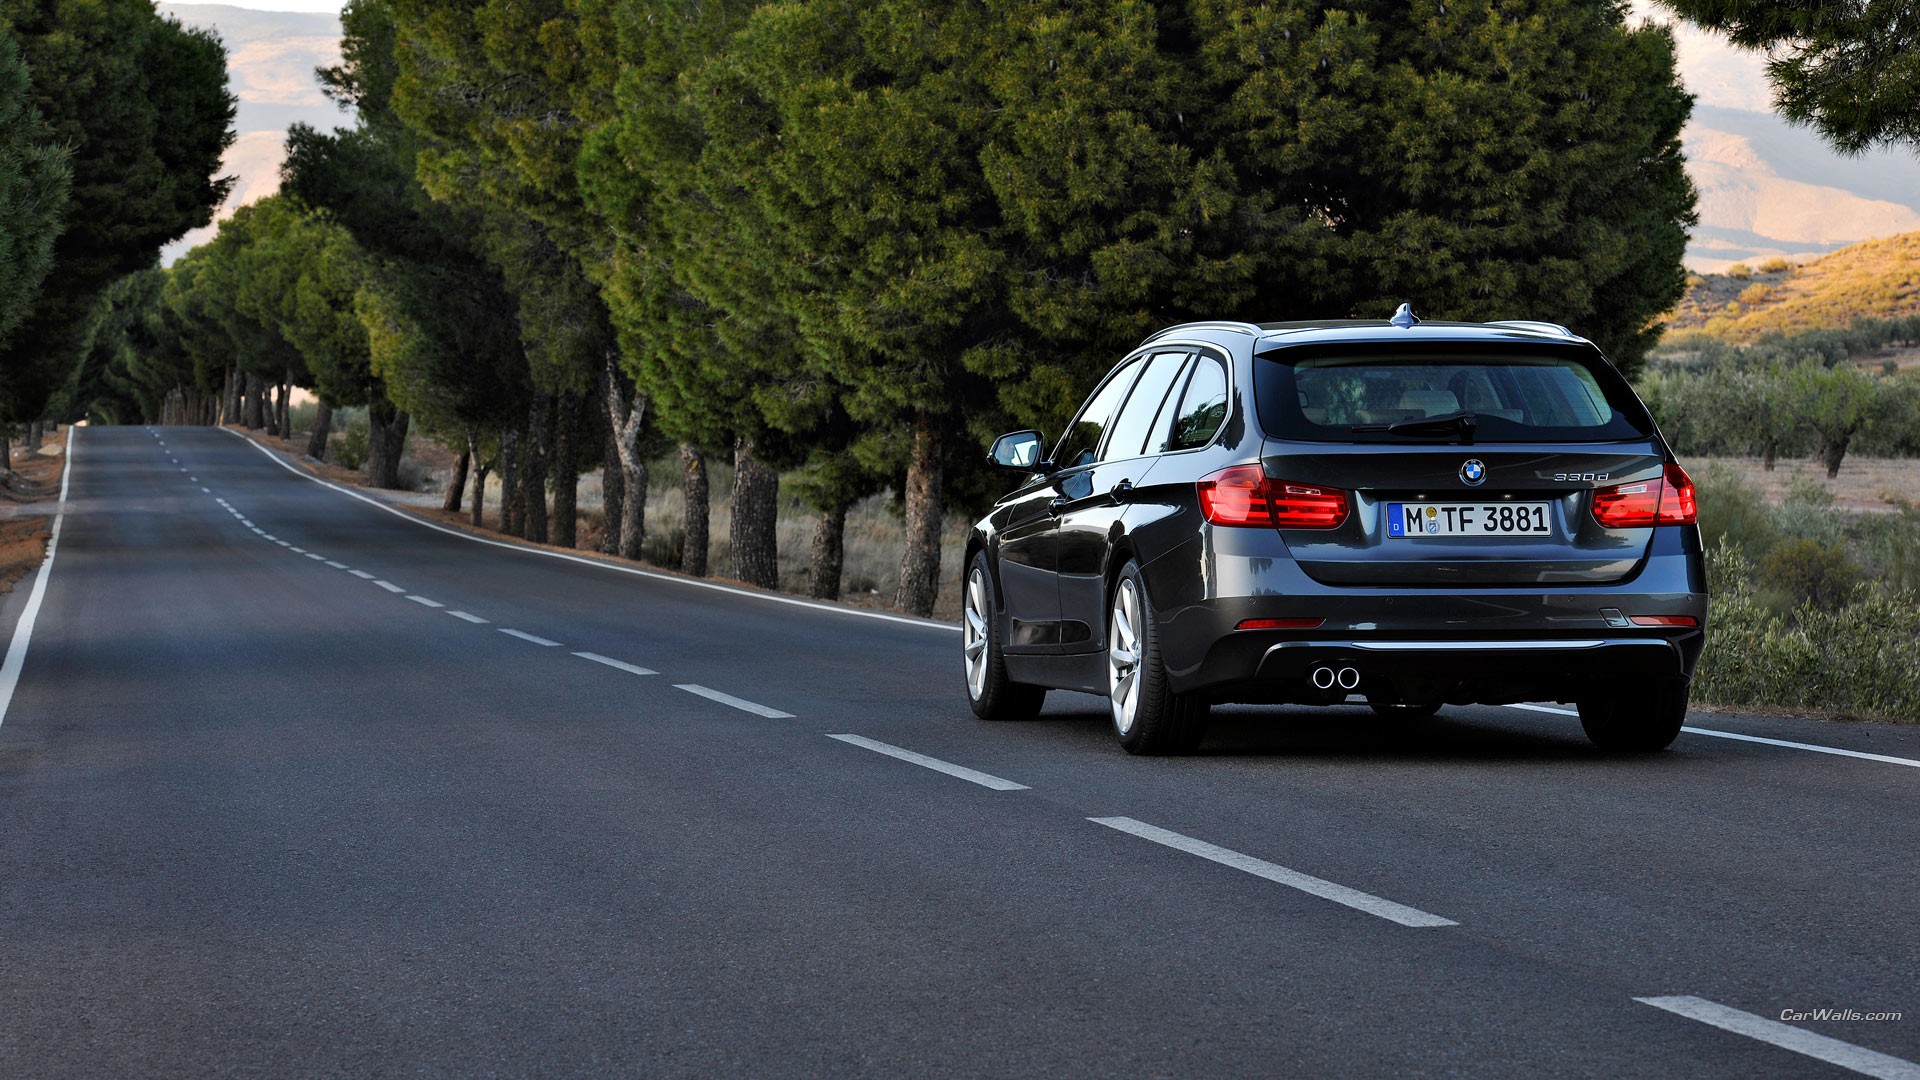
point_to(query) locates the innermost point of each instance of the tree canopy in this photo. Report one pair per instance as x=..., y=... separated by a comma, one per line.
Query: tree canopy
x=1848, y=68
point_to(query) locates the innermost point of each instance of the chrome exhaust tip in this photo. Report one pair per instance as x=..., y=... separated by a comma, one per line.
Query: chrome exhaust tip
x=1349, y=678
x=1323, y=678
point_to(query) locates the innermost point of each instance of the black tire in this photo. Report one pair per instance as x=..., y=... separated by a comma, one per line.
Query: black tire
x=1161, y=722
x=1636, y=721
x=992, y=695
x=1401, y=711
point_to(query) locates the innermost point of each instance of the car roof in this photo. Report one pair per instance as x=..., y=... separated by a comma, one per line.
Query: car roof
x=1327, y=331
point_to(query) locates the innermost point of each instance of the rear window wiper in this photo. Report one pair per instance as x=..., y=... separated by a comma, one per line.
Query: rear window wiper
x=1459, y=423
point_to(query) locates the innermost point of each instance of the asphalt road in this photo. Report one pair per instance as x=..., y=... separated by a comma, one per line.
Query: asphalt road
x=293, y=786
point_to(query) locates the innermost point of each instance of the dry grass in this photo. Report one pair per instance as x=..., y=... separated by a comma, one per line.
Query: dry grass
x=1877, y=279
x=1864, y=484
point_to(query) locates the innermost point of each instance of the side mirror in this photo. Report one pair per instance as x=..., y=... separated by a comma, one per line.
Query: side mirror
x=1016, y=451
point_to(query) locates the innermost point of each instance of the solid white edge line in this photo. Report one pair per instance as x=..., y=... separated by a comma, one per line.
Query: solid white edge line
x=621, y=665
x=616, y=567
x=972, y=776
x=389, y=586
x=1836, y=751
x=467, y=617
x=728, y=699
x=424, y=602
x=1809, y=747
x=23, y=630
x=1294, y=879
x=524, y=636
x=1787, y=1037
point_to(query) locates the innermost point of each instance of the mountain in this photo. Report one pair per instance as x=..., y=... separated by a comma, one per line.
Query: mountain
x=271, y=57
x=1873, y=279
x=1769, y=189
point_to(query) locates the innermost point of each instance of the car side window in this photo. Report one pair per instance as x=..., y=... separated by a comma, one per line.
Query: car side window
x=1203, y=408
x=1131, y=427
x=1082, y=440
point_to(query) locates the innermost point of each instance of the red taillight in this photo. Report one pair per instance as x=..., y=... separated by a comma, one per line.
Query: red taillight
x=1663, y=620
x=1279, y=624
x=1243, y=495
x=1667, y=500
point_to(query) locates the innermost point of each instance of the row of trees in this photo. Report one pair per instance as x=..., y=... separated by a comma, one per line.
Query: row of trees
x=852, y=240
x=112, y=122
x=1789, y=394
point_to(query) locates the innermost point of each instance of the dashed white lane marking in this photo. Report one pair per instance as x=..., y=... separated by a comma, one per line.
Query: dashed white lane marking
x=389, y=586
x=208, y=490
x=296, y=550
x=316, y=558
x=192, y=479
x=972, y=776
x=361, y=574
x=524, y=636
x=258, y=531
x=467, y=617
x=621, y=665
x=424, y=602
x=739, y=703
x=336, y=565
x=1799, y=1040
x=1809, y=747
x=1293, y=879
x=283, y=543
x=23, y=630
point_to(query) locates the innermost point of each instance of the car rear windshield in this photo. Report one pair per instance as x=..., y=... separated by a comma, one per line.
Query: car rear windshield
x=1446, y=395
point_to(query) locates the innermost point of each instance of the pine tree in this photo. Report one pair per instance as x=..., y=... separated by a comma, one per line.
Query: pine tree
x=34, y=173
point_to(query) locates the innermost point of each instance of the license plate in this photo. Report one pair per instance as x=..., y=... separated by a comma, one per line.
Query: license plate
x=1409, y=520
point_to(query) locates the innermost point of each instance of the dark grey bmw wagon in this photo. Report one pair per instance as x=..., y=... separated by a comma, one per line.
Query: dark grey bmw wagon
x=1413, y=513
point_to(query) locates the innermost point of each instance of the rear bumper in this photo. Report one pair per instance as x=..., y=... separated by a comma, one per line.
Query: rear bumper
x=1457, y=669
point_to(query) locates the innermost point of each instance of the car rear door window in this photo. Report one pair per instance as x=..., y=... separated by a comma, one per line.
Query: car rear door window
x=1144, y=405
x=1081, y=443
x=1202, y=408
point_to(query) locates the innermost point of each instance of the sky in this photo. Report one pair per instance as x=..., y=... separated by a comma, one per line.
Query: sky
x=326, y=6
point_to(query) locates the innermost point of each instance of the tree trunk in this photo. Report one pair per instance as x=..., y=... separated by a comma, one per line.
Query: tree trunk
x=256, y=403
x=693, y=558
x=829, y=554
x=613, y=490
x=480, y=470
x=322, y=431
x=6, y=447
x=1833, y=452
x=756, y=506
x=566, y=470
x=626, y=416
x=285, y=419
x=920, y=564
x=34, y=438
x=1768, y=453
x=513, y=510
x=230, y=397
x=533, y=467
x=456, y=487
x=386, y=441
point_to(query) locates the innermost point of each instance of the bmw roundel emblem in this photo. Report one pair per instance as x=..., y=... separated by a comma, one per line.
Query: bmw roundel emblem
x=1473, y=473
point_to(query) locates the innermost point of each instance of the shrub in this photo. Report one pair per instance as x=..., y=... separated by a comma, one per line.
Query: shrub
x=1738, y=271
x=1775, y=265
x=1807, y=573
x=349, y=449
x=1756, y=294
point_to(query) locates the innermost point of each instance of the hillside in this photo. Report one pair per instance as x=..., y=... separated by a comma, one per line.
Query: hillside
x=271, y=56
x=1873, y=279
